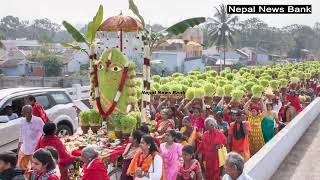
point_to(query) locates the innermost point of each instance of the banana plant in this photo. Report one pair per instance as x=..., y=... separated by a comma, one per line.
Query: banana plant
x=154, y=39
x=89, y=39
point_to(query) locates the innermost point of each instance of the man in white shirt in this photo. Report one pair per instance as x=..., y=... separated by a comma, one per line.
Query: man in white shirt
x=234, y=168
x=11, y=115
x=30, y=132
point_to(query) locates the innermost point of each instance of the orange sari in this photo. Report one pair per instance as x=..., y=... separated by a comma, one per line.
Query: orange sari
x=193, y=137
x=143, y=163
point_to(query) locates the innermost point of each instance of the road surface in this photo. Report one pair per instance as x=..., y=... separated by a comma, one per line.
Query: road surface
x=303, y=162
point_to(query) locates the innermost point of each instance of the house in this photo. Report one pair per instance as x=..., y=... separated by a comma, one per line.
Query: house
x=180, y=54
x=25, y=46
x=73, y=60
x=13, y=58
x=194, y=64
x=173, y=60
x=257, y=55
x=14, y=63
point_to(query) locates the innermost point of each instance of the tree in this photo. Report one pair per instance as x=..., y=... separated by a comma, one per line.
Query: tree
x=43, y=30
x=222, y=27
x=12, y=27
x=51, y=63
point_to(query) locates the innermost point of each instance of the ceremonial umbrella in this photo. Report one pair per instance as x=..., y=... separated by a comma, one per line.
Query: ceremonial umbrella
x=121, y=24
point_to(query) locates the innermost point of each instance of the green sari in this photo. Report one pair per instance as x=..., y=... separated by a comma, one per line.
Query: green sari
x=267, y=126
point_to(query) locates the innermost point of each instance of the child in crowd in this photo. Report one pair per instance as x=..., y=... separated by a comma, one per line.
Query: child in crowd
x=190, y=169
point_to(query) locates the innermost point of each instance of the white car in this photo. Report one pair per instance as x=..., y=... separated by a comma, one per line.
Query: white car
x=56, y=102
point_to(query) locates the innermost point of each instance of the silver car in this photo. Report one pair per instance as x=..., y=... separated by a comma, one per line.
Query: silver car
x=56, y=102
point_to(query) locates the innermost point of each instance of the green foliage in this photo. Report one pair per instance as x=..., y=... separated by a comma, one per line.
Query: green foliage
x=94, y=25
x=52, y=63
x=228, y=88
x=237, y=94
x=125, y=123
x=219, y=91
x=209, y=89
x=135, y=10
x=199, y=93
x=190, y=93
x=274, y=84
x=95, y=118
x=182, y=26
x=76, y=35
x=84, y=118
x=257, y=90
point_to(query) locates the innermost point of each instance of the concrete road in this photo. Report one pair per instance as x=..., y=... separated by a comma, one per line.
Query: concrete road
x=303, y=162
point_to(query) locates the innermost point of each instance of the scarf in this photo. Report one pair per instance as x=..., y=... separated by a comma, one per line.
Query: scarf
x=143, y=163
x=45, y=176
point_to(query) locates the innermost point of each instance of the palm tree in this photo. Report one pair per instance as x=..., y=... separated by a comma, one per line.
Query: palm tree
x=221, y=29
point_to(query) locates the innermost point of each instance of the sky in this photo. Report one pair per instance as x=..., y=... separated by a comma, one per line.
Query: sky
x=164, y=12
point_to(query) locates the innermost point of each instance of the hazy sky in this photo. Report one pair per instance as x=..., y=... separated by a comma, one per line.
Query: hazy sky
x=165, y=12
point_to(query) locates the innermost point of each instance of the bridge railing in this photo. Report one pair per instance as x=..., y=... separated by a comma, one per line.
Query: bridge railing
x=266, y=162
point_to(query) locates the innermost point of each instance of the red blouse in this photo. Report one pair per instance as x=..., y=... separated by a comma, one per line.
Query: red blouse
x=37, y=110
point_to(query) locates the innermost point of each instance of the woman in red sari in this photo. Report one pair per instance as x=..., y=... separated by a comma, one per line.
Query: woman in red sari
x=93, y=168
x=294, y=100
x=212, y=140
x=51, y=140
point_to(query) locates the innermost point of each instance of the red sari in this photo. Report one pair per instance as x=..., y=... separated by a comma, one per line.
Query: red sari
x=295, y=102
x=208, y=148
x=96, y=170
x=65, y=158
x=197, y=123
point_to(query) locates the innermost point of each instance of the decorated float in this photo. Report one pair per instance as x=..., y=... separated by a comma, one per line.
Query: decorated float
x=114, y=46
x=119, y=106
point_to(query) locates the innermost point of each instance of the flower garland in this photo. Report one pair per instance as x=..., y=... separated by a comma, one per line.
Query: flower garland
x=116, y=98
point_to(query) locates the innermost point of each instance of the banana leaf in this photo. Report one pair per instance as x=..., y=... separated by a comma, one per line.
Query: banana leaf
x=135, y=10
x=182, y=26
x=76, y=35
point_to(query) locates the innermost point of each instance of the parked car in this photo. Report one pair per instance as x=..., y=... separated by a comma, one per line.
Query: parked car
x=56, y=102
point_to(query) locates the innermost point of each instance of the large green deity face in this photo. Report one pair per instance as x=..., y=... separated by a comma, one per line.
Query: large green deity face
x=110, y=69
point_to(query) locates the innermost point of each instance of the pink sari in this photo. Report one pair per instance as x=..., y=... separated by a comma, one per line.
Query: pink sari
x=171, y=160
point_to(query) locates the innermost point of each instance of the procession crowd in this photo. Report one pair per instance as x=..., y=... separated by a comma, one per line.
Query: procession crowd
x=188, y=141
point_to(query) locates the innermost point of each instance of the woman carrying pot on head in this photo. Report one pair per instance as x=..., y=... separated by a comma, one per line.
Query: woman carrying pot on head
x=190, y=131
x=238, y=134
x=164, y=123
x=197, y=120
x=269, y=122
x=255, y=118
